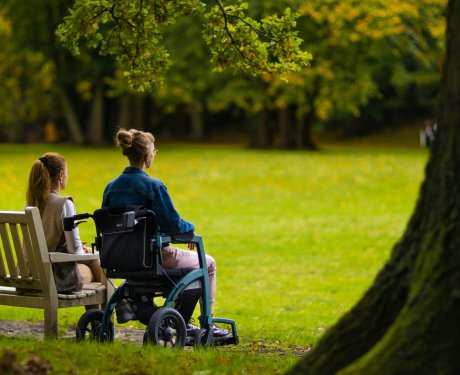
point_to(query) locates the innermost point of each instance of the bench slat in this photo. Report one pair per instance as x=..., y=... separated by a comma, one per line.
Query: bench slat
x=20, y=282
x=18, y=250
x=13, y=217
x=7, y=250
x=76, y=295
x=31, y=259
x=2, y=260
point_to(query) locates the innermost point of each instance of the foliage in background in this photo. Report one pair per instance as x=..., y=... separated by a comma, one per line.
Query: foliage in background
x=27, y=84
x=74, y=80
x=371, y=62
x=133, y=32
x=363, y=50
x=374, y=63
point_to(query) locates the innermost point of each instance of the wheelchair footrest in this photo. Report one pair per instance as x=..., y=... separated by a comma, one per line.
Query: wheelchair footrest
x=227, y=340
x=217, y=341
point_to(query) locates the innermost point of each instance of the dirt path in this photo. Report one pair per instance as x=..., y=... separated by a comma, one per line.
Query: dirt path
x=35, y=329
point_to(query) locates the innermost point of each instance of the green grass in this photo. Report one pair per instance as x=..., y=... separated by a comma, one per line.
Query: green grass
x=298, y=237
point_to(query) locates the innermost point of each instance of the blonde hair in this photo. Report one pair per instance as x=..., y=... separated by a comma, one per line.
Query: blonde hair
x=43, y=175
x=134, y=144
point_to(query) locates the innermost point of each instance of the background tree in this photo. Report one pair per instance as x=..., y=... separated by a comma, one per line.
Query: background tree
x=362, y=51
x=77, y=82
x=407, y=322
x=371, y=61
x=26, y=86
x=190, y=79
x=374, y=63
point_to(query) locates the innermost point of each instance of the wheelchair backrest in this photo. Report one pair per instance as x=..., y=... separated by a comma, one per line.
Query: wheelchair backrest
x=127, y=239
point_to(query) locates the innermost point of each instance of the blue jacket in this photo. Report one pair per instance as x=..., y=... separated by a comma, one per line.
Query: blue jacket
x=135, y=187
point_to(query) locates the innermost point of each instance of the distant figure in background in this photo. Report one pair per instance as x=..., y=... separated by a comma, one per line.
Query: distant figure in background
x=427, y=134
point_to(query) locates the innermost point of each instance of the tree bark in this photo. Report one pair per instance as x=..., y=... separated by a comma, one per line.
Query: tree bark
x=123, y=112
x=408, y=321
x=286, y=126
x=95, y=132
x=262, y=136
x=304, y=131
x=137, y=120
x=195, y=110
x=306, y=119
x=73, y=125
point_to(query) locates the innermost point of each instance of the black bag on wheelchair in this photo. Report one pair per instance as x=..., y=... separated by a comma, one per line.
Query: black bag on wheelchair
x=126, y=238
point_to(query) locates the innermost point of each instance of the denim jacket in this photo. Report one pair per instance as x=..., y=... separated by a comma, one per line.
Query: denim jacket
x=135, y=187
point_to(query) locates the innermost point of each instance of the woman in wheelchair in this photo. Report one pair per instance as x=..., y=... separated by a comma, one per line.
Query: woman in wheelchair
x=48, y=176
x=135, y=187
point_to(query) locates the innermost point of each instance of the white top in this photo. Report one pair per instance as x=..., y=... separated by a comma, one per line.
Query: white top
x=72, y=237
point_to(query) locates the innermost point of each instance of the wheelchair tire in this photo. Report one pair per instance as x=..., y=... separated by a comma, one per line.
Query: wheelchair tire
x=89, y=324
x=201, y=339
x=167, y=329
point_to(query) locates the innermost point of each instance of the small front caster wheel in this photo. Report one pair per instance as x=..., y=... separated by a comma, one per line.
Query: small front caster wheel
x=203, y=339
x=167, y=329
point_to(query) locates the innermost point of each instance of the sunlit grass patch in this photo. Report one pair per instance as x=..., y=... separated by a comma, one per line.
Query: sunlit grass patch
x=297, y=236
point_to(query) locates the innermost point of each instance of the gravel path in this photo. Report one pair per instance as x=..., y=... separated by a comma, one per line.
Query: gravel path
x=35, y=329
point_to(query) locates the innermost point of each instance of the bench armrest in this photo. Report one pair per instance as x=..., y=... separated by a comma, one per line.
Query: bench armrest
x=57, y=257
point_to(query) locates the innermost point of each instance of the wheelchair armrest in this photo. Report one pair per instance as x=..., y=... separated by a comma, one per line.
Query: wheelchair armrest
x=183, y=237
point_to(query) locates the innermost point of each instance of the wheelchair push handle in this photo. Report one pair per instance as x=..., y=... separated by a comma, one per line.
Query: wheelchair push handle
x=71, y=222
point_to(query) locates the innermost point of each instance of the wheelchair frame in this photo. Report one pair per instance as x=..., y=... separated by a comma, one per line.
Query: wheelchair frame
x=103, y=331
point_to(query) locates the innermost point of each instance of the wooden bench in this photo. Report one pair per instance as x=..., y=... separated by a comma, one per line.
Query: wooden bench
x=23, y=247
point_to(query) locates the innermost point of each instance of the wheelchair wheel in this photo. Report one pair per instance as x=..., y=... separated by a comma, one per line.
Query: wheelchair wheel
x=201, y=339
x=89, y=324
x=167, y=329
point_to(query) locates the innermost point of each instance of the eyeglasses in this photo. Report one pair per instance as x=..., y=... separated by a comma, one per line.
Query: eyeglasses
x=155, y=150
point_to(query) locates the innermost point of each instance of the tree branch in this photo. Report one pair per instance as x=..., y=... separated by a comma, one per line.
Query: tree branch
x=233, y=42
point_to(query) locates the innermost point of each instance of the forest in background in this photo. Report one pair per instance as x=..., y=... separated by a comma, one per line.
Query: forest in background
x=375, y=65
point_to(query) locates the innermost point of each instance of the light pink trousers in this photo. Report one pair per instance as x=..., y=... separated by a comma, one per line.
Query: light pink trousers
x=177, y=258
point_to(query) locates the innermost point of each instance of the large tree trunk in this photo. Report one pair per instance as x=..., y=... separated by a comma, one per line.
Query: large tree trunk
x=306, y=119
x=195, y=110
x=262, y=136
x=73, y=125
x=304, y=132
x=124, y=112
x=286, y=128
x=95, y=131
x=408, y=322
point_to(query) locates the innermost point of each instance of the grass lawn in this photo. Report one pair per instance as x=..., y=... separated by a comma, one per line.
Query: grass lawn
x=297, y=236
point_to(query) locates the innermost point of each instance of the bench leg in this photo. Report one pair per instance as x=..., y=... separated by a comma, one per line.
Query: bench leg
x=51, y=322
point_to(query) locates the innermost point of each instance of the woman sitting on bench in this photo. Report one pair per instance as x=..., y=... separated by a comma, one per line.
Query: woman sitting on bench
x=48, y=176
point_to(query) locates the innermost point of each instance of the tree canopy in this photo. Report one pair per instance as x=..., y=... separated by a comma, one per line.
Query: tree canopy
x=133, y=33
x=365, y=64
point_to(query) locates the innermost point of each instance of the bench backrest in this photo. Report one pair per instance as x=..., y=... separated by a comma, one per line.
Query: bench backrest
x=24, y=259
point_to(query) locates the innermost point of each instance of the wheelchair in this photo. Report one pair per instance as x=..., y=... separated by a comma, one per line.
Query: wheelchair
x=129, y=246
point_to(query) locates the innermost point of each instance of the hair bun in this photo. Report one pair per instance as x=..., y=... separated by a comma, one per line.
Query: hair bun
x=124, y=139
